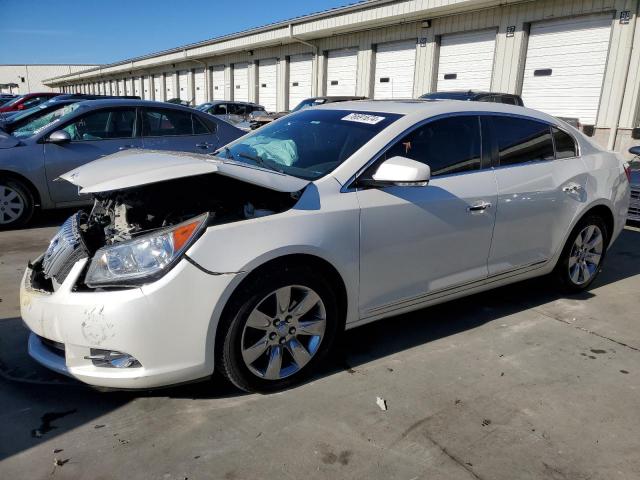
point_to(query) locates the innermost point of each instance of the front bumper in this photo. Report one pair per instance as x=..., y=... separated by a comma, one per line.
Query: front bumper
x=168, y=326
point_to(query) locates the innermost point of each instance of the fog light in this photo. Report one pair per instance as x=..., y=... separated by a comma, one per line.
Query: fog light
x=112, y=359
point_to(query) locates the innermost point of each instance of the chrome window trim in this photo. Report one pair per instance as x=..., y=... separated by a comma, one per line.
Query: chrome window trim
x=348, y=184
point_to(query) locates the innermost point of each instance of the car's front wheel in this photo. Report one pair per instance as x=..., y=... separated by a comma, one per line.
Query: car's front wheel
x=16, y=204
x=583, y=255
x=277, y=329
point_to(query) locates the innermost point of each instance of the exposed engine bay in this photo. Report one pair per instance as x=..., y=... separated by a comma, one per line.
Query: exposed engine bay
x=122, y=215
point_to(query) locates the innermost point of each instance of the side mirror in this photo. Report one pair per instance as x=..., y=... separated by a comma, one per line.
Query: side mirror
x=401, y=171
x=59, y=137
x=635, y=150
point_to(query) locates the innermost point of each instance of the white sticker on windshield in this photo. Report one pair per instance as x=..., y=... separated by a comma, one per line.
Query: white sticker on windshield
x=363, y=118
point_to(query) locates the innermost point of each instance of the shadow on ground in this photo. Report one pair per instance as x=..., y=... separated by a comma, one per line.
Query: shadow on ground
x=53, y=405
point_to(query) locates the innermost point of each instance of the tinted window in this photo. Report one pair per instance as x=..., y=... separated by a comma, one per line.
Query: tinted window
x=103, y=124
x=199, y=128
x=508, y=100
x=565, y=146
x=162, y=123
x=522, y=141
x=450, y=145
x=220, y=109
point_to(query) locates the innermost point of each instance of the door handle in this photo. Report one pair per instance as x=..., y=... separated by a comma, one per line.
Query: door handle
x=573, y=188
x=478, y=207
x=126, y=147
x=204, y=145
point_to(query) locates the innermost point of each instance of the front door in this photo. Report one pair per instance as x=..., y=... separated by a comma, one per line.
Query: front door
x=419, y=240
x=93, y=135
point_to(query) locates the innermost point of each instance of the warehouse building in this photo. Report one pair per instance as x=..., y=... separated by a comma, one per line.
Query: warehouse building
x=21, y=79
x=570, y=58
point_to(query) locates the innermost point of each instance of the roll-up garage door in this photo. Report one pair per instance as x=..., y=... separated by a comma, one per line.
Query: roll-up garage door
x=121, y=89
x=566, y=61
x=241, y=82
x=395, y=66
x=169, y=86
x=217, y=83
x=146, y=85
x=268, y=84
x=129, y=86
x=300, y=78
x=158, y=87
x=137, y=86
x=184, y=85
x=200, y=86
x=342, y=68
x=466, y=60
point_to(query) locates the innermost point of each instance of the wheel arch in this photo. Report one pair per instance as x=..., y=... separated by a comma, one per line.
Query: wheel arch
x=26, y=182
x=603, y=211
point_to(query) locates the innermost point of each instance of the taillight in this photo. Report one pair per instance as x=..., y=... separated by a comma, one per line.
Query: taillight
x=627, y=171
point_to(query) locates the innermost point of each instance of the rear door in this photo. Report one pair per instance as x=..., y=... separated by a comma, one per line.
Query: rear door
x=93, y=135
x=177, y=130
x=539, y=192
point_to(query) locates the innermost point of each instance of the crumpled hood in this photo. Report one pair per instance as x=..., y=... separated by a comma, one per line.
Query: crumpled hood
x=6, y=140
x=133, y=168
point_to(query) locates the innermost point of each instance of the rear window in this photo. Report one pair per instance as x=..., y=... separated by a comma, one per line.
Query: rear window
x=565, y=145
x=521, y=140
x=310, y=143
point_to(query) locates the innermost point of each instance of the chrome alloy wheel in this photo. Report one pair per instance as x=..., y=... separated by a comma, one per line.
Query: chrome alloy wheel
x=283, y=332
x=11, y=205
x=586, y=254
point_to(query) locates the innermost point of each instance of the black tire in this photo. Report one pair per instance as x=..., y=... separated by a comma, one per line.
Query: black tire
x=229, y=359
x=561, y=275
x=27, y=202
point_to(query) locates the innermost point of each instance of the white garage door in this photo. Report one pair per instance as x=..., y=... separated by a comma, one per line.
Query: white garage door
x=566, y=60
x=184, y=85
x=201, y=86
x=241, y=82
x=466, y=60
x=268, y=81
x=395, y=66
x=169, y=84
x=137, y=86
x=129, y=86
x=217, y=83
x=158, y=88
x=300, y=78
x=342, y=67
x=146, y=85
x=121, y=88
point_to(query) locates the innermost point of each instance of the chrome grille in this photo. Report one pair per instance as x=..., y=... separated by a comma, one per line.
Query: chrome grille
x=65, y=249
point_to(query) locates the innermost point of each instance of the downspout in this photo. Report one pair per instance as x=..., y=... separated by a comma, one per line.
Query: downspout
x=296, y=39
x=314, y=80
x=614, y=130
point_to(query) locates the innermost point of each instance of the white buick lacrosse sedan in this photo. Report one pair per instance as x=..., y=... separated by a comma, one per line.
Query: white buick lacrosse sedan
x=253, y=260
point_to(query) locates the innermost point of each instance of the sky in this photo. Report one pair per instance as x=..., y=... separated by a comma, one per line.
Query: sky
x=105, y=31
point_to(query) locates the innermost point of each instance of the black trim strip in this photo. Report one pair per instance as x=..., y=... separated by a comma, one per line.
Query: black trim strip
x=200, y=267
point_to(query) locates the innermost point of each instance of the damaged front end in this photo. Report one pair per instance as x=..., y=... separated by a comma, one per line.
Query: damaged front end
x=134, y=235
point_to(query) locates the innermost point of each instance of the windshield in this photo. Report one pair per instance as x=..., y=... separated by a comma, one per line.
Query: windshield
x=308, y=144
x=41, y=122
x=309, y=102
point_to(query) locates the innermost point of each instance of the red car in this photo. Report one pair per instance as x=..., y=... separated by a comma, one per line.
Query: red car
x=27, y=101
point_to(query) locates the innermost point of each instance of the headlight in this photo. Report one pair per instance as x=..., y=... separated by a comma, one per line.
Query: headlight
x=144, y=258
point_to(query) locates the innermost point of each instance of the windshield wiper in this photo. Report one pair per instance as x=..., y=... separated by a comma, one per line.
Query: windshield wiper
x=260, y=161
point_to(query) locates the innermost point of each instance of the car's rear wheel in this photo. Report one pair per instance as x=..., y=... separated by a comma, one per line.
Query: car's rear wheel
x=583, y=255
x=16, y=203
x=277, y=329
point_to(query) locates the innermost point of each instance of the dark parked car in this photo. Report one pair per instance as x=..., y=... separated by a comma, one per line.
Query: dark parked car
x=232, y=111
x=634, y=204
x=256, y=120
x=476, y=96
x=34, y=155
x=88, y=96
x=27, y=101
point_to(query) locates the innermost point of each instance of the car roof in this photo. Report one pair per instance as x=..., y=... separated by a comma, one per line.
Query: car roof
x=430, y=108
x=132, y=102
